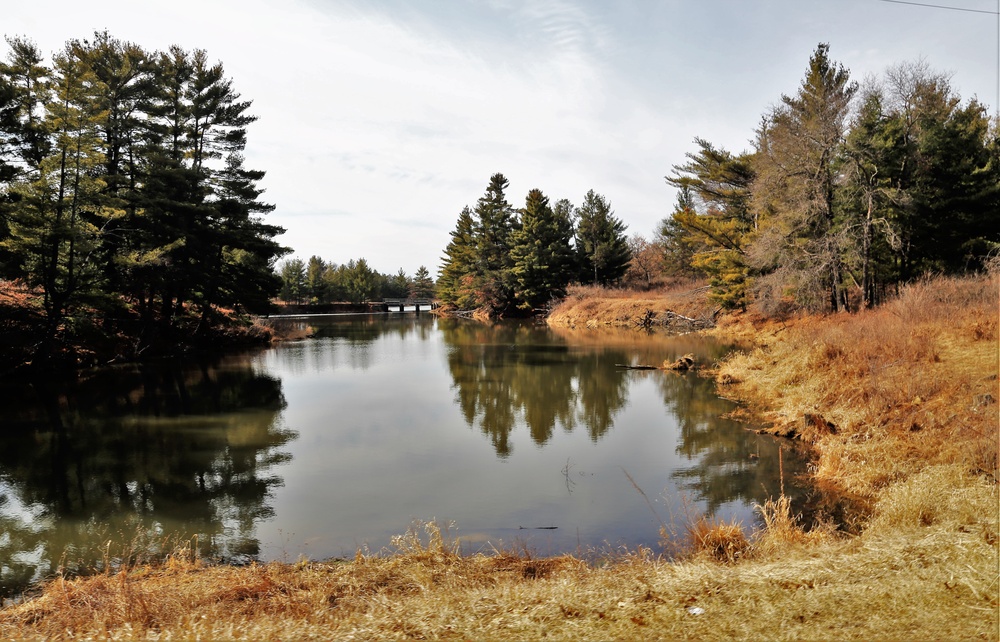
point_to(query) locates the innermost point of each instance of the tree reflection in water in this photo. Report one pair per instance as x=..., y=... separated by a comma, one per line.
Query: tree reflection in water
x=729, y=462
x=133, y=452
x=515, y=373
x=511, y=374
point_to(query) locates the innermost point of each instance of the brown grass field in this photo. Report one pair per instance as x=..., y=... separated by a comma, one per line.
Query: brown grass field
x=900, y=405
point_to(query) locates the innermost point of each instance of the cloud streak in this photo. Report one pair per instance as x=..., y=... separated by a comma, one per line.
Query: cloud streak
x=380, y=121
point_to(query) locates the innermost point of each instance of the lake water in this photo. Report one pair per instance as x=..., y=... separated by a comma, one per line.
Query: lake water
x=517, y=435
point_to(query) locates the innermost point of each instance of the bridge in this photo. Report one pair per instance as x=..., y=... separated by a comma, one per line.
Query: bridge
x=398, y=305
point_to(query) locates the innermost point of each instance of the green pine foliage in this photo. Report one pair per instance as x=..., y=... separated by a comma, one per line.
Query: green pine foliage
x=454, y=284
x=125, y=197
x=318, y=282
x=601, y=244
x=542, y=256
x=501, y=261
x=712, y=219
x=422, y=285
x=493, y=222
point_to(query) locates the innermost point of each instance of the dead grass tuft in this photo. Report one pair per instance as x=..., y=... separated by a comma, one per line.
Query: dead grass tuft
x=719, y=540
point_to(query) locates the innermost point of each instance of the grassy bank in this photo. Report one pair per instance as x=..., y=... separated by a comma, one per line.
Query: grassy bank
x=681, y=307
x=900, y=405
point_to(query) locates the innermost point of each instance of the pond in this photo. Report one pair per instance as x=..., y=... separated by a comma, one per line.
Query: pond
x=514, y=435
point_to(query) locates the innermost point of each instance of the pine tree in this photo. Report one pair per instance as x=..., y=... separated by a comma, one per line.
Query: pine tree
x=126, y=183
x=798, y=241
x=240, y=270
x=455, y=278
x=422, y=285
x=494, y=221
x=543, y=260
x=601, y=244
x=712, y=220
x=57, y=220
x=293, y=280
x=316, y=286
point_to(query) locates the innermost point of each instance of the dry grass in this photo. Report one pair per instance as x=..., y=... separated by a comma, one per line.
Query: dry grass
x=906, y=386
x=595, y=307
x=919, y=582
x=913, y=432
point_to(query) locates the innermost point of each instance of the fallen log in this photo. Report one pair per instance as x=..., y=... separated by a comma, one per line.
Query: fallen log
x=684, y=363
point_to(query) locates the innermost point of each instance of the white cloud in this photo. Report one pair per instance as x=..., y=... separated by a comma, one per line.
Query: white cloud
x=380, y=120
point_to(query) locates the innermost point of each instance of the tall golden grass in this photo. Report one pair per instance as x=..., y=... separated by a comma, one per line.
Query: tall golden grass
x=906, y=386
x=907, y=389
x=920, y=582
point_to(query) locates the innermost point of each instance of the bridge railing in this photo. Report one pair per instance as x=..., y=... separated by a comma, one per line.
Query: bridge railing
x=391, y=304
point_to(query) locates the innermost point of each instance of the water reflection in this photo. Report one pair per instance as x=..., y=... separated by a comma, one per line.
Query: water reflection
x=520, y=374
x=510, y=374
x=157, y=448
x=394, y=418
x=333, y=341
x=725, y=464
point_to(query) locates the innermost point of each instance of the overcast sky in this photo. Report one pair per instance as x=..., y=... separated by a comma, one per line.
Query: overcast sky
x=380, y=120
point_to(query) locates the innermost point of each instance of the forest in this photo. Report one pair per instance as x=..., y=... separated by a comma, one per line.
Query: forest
x=850, y=191
x=125, y=204
x=503, y=260
x=318, y=281
x=127, y=212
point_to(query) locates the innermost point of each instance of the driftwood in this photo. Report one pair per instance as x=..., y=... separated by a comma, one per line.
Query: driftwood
x=684, y=363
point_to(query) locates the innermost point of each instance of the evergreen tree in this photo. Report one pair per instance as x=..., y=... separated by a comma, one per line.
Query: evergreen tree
x=397, y=286
x=601, y=244
x=316, y=286
x=55, y=225
x=542, y=256
x=456, y=276
x=798, y=243
x=241, y=270
x=868, y=197
x=493, y=224
x=293, y=280
x=360, y=282
x=28, y=85
x=712, y=219
x=125, y=183
x=124, y=72
x=422, y=285
x=944, y=172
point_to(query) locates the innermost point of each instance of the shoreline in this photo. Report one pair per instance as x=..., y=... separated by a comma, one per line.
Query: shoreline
x=922, y=430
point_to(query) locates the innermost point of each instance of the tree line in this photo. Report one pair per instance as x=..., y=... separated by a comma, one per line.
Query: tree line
x=317, y=281
x=849, y=191
x=505, y=261
x=124, y=197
